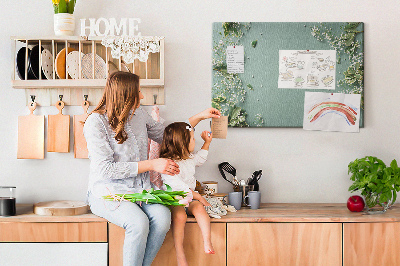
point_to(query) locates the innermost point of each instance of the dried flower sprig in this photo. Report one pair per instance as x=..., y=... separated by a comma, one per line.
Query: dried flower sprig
x=164, y=197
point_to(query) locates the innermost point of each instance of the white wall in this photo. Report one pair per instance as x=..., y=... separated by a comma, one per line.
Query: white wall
x=298, y=166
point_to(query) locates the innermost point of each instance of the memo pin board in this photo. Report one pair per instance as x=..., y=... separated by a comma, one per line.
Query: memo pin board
x=282, y=61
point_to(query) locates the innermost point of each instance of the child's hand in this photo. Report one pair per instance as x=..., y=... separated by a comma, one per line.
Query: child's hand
x=205, y=202
x=206, y=136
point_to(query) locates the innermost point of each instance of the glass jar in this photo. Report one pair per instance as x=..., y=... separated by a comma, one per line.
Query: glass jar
x=7, y=201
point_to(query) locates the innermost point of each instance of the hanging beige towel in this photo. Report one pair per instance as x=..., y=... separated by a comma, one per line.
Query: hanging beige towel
x=154, y=150
x=58, y=131
x=31, y=135
x=80, y=149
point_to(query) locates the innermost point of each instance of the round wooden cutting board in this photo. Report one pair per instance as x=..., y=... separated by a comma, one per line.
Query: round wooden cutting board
x=60, y=208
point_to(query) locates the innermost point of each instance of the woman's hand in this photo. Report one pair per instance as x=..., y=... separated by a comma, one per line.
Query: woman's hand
x=165, y=166
x=208, y=113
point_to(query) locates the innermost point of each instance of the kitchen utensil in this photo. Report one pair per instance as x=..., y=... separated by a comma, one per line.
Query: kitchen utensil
x=31, y=135
x=254, y=179
x=7, y=201
x=254, y=199
x=99, y=67
x=245, y=190
x=113, y=67
x=34, y=61
x=58, y=131
x=60, y=208
x=235, y=199
x=61, y=63
x=73, y=64
x=47, y=63
x=20, y=60
x=80, y=149
x=225, y=166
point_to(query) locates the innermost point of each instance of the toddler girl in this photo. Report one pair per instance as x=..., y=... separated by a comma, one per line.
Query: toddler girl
x=178, y=144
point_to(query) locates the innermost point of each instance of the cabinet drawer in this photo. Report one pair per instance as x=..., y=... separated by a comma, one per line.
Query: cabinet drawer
x=60, y=254
x=53, y=232
x=284, y=244
x=371, y=244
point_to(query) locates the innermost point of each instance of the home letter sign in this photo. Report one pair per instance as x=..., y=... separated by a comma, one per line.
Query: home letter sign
x=111, y=27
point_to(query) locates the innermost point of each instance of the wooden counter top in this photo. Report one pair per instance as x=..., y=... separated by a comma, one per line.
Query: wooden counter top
x=268, y=212
x=25, y=214
x=307, y=213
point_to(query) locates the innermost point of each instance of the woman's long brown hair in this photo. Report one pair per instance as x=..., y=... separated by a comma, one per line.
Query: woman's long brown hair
x=175, y=144
x=120, y=95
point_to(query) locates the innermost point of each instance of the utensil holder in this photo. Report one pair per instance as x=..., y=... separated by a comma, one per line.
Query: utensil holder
x=245, y=191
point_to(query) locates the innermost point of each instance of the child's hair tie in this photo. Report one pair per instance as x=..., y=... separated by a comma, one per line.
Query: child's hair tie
x=189, y=128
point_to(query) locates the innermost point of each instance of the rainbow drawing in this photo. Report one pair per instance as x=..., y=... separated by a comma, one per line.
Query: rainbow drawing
x=321, y=109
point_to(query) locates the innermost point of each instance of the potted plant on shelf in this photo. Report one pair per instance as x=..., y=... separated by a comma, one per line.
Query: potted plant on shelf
x=64, y=22
x=377, y=182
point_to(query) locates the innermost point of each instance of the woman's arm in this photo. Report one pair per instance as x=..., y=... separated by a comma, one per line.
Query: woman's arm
x=208, y=113
x=198, y=197
x=101, y=155
x=161, y=165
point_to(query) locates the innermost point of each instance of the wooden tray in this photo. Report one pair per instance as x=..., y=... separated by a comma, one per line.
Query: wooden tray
x=60, y=208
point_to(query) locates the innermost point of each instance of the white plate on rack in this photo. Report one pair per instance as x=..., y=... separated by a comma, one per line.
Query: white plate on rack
x=47, y=63
x=100, y=68
x=73, y=64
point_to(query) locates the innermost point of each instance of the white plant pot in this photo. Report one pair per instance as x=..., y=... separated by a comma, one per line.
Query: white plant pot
x=64, y=24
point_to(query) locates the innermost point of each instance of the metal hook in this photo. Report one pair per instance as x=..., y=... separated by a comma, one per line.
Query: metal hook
x=85, y=97
x=155, y=98
x=33, y=98
x=60, y=97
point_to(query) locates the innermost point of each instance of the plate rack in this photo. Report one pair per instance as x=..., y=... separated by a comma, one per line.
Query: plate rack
x=53, y=76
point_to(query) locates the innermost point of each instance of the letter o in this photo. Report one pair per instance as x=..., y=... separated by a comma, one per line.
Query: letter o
x=106, y=27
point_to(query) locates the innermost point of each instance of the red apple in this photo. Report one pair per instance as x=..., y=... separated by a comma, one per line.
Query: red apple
x=355, y=204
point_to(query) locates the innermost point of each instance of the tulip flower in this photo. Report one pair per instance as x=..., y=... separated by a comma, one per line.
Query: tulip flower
x=165, y=197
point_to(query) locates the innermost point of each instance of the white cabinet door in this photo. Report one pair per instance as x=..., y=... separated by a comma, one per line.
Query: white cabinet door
x=59, y=254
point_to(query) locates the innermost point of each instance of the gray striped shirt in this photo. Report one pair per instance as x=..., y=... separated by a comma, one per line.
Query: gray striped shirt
x=113, y=166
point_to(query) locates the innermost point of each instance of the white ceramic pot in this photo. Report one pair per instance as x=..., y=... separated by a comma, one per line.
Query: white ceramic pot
x=211, y=187
x=64, y=24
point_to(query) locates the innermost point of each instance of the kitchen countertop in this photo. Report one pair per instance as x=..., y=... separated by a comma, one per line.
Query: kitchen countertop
x=268, y=212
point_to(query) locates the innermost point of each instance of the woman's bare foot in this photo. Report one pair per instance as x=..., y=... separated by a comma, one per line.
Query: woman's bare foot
x=209, y=249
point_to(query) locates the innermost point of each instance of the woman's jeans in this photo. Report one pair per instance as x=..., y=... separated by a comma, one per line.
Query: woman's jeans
x=145, y=227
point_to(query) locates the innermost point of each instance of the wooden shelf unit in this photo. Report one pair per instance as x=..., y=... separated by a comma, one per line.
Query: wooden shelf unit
x=73, y=90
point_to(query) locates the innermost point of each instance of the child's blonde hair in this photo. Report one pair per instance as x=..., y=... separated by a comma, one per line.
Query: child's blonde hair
x=120, y=95
x=175, y=144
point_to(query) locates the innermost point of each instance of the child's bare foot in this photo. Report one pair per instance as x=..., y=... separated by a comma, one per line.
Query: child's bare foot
x=209, y=249
x=182, y=260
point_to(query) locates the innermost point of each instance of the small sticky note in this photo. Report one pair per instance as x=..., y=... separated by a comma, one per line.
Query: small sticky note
x=235, y=59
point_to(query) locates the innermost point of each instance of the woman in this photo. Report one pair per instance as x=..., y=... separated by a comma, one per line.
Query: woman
x=116, y=133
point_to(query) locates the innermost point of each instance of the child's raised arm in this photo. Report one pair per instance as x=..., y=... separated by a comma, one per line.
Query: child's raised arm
x=207, y=137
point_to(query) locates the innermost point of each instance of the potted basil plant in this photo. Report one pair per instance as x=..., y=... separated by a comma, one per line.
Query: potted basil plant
x=377, y=182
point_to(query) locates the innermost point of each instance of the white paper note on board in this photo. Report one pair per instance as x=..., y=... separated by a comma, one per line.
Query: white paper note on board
x=332, y=111
x=307, y=69
x=235, y=59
